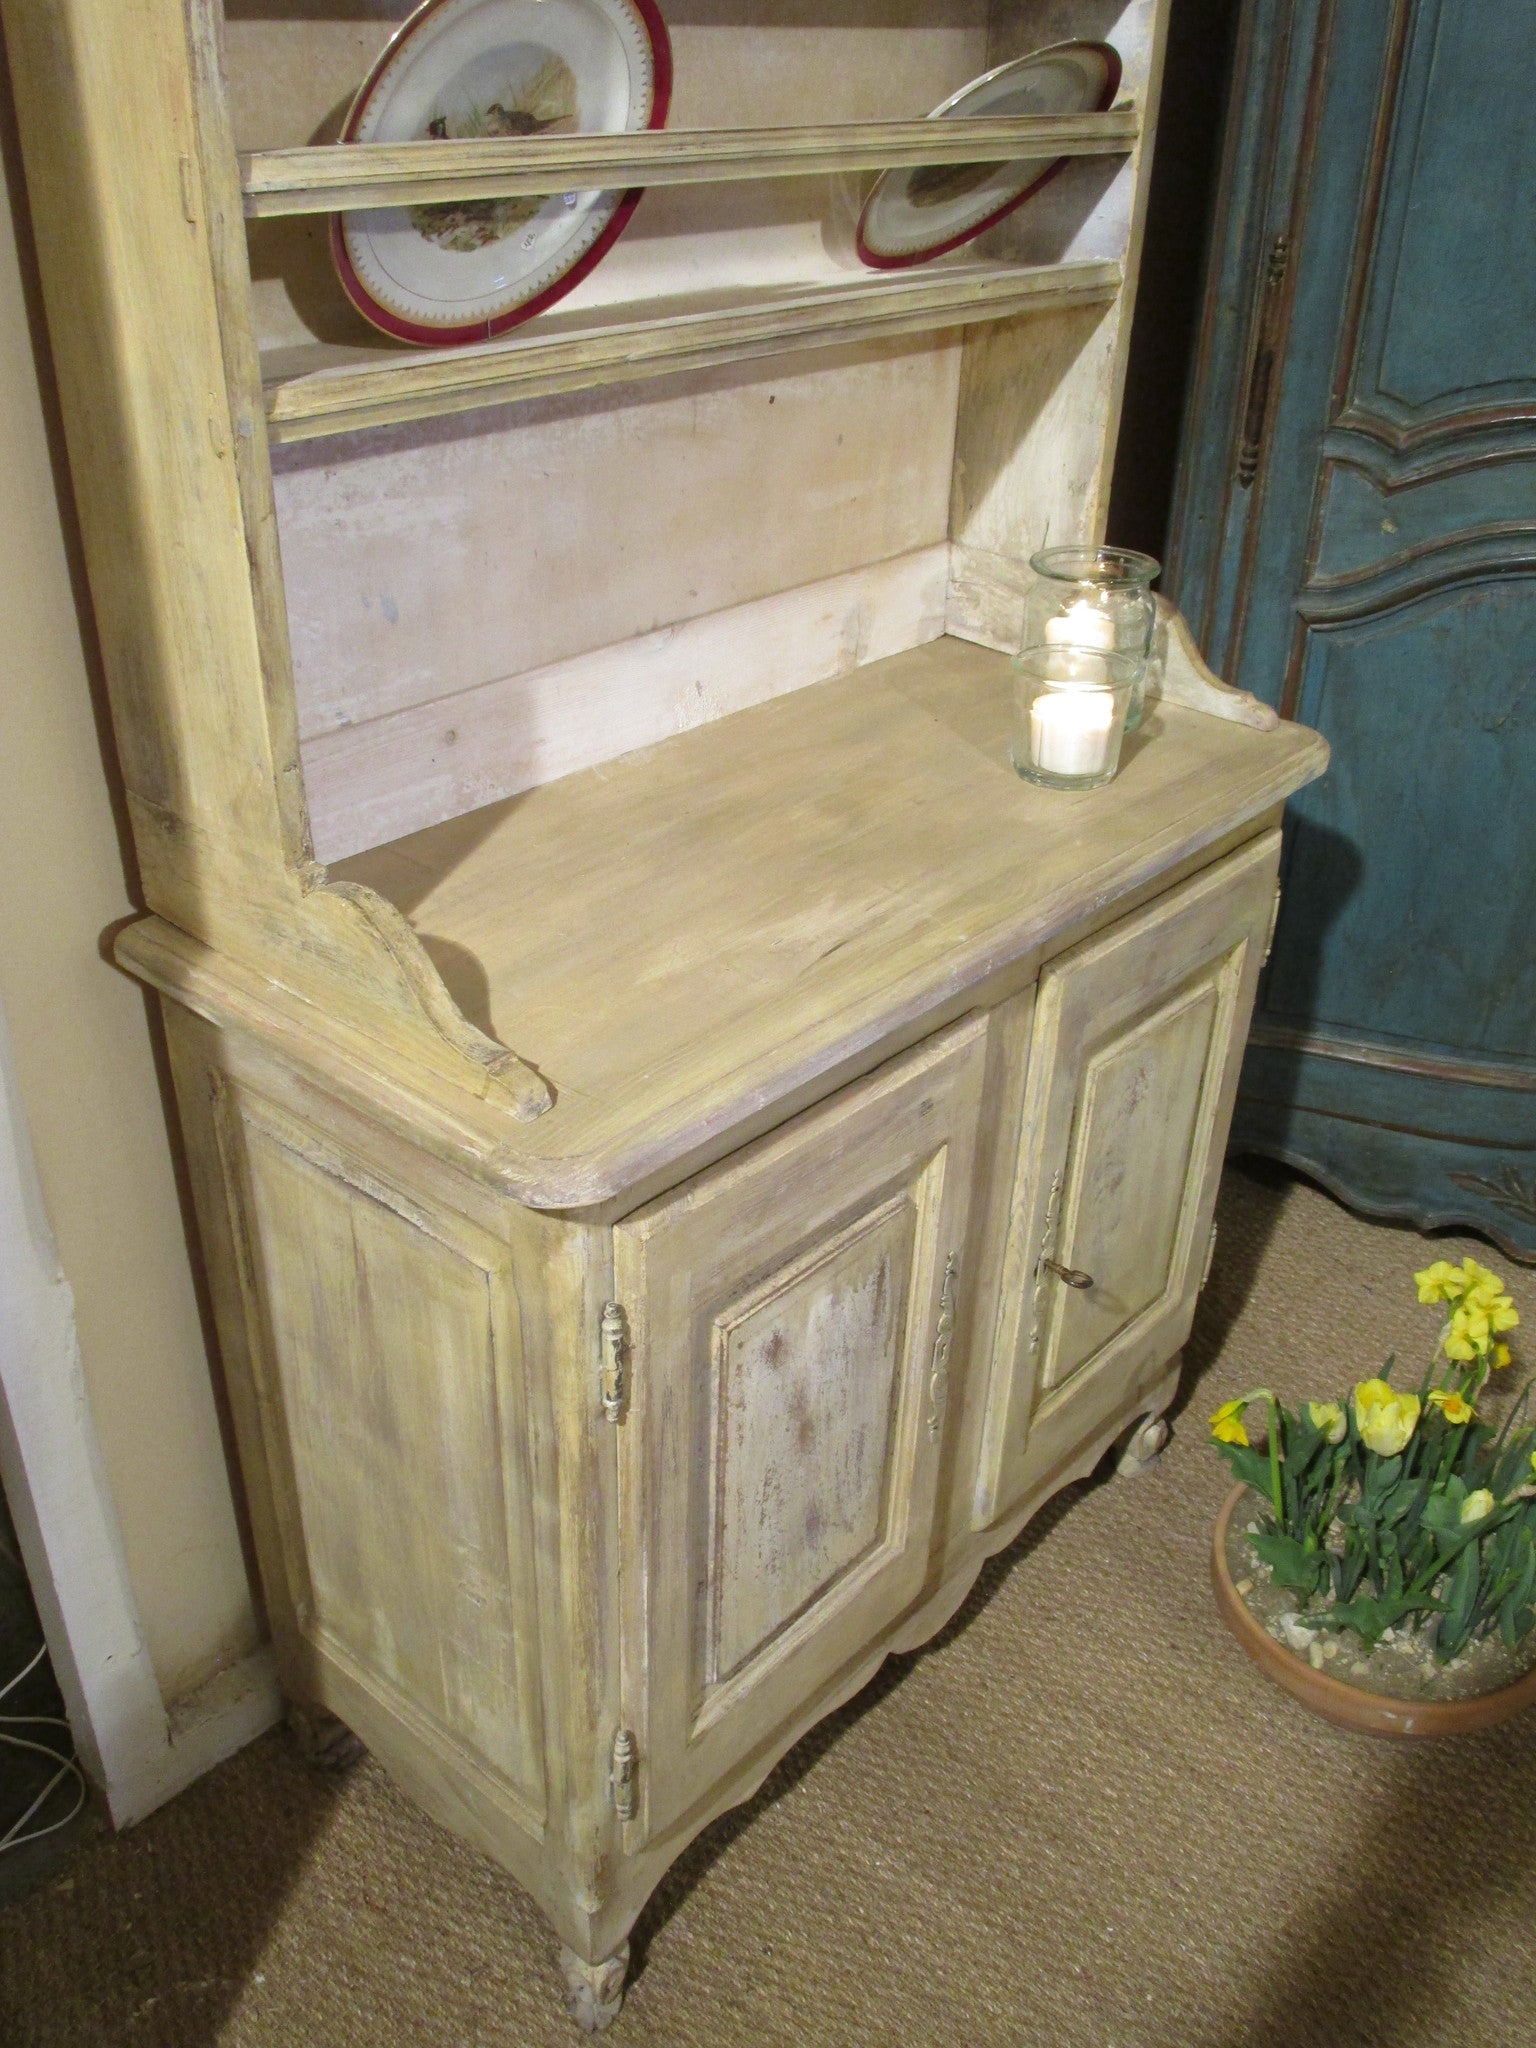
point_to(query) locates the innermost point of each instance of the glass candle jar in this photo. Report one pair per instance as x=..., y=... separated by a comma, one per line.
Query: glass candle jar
x=1098, y=600
x=1069, y=715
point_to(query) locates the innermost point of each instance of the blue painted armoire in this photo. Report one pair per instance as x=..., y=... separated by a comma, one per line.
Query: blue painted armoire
x=1354, y=540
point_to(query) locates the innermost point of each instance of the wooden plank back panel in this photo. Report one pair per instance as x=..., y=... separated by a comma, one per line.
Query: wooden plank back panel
x=427, y=560
x=737, y=63
x=388, y=776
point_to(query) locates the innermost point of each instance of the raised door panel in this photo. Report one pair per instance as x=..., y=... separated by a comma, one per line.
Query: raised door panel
x=790, y=1321
x=389, y=1377
x=1128, y=1167
x=1133, y=1067
x=810, y=1359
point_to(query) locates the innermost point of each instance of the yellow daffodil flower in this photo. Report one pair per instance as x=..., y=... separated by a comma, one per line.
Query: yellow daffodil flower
x=1227, y=1424
x=1485, y=1292
x=1453, y=1406
x=1385, y=1420
x=1501, y=1357
x=1475, y=1322
x=1440, y=1282
x=1494, y=1309
x=1480, y=1307
x=1478, y=1504
x=1471, y=1320
x=1328, y=1417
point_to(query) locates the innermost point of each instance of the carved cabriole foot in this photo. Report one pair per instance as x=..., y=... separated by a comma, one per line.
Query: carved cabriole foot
x=323, y=1742
x=594, y=1991
x=1140, y=1451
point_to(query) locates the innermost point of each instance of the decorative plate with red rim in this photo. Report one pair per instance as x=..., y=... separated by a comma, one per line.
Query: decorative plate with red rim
x=463, y=270
x=914, y=215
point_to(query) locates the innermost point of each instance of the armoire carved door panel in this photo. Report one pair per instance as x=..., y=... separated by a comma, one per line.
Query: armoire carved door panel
x=1356, y=543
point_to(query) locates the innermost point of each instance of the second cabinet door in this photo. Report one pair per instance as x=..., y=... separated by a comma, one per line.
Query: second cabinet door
x=1133, y=1069
x=790, y=1317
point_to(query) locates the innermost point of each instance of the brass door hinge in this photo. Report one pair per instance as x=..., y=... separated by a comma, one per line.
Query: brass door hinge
x=613, y=1344
x=624, y=1774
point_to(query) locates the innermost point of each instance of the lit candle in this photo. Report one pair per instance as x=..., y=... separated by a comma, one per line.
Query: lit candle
x=1069, y=731
x=1071, y=665
x=1082, y=624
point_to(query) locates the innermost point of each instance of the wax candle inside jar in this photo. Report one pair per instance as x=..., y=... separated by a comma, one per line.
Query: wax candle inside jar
x=1071, y=665
x=1069, y=731
x=1082, y=624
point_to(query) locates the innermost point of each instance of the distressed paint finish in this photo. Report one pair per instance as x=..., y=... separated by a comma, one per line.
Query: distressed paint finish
x=496, y=1582
x=389, y=1360
x=1378, y=581
x=1137, y=1042
x=779, y=1478
x=770, y=889
x=806, y=1375
x=1135, y=1116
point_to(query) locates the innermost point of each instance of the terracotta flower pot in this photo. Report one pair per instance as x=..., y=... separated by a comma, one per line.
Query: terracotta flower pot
x=1349, y=1706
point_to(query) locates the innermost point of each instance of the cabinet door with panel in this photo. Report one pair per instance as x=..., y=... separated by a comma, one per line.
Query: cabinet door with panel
x=1138, y=1037
x=791, y=1316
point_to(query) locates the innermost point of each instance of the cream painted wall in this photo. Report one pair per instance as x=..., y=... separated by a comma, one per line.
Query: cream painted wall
x=84, y=1060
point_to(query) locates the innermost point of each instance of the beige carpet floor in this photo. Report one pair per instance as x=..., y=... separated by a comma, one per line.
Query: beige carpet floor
x=1080, y=1818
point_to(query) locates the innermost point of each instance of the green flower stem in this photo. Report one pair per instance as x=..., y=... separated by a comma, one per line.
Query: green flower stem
x=1274, y=1462
x=1340, y=1480
x=1474, y=1534
x=1452, y=1445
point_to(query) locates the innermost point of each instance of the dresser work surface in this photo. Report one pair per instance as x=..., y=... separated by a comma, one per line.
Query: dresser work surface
x=686, y=937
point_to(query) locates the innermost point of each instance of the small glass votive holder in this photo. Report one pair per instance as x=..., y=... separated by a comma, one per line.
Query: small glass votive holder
x=1098, y=599
x=1069, y=714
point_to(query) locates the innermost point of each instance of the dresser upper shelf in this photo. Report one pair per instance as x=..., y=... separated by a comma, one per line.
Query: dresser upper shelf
x=335, y=176
x=317, y=388
x=692, y=940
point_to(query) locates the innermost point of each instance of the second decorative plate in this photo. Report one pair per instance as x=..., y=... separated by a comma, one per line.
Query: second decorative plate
x=914, y=215
x=463, y=270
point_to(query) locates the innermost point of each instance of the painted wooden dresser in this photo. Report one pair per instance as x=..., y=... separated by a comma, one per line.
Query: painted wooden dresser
x=679, y=1189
